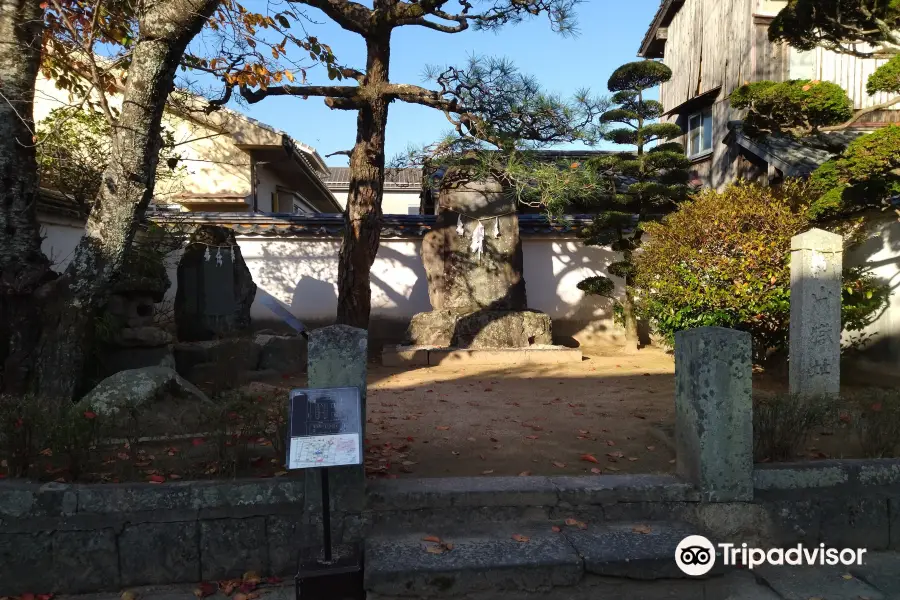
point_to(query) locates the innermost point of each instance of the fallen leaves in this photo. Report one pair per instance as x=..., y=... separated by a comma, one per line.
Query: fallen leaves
x=559, y=464
x=157, y=479
x=531, y=437
x=128, y=595
x=205, y=589
x=442, y=427
x=521, y=538
x=437, y=545
x=589, y=458
x=610, y=443
x=642, y=529
x=576, y=523
x=596, y=471
x=556, y=529
x=525, y=474
x=490, y=472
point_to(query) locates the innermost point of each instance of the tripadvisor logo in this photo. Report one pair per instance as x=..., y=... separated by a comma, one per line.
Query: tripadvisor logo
x=696, y=556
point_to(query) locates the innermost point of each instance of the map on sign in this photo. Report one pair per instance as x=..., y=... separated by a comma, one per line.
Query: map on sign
x=325, y=428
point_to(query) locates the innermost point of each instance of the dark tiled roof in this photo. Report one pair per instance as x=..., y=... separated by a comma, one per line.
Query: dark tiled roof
x=55, y=203
x=393, y=178
x=332, y=225
x=792, y=156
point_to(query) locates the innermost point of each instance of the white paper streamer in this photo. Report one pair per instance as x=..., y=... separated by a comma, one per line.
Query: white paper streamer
x=206, y=254
x=478, y=240
x=497, y=227
x=219, y=257
x=460, y=230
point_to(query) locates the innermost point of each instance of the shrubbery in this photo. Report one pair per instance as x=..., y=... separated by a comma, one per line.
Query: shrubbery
x=724, y=259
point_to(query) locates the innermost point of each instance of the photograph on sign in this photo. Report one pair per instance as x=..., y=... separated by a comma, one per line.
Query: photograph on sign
x=325, y=428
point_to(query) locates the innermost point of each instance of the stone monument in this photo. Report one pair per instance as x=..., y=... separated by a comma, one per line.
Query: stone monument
x=215, y=287
x=473, y=262
x=815, y=334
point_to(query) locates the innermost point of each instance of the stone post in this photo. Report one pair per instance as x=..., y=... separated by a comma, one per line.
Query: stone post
x=337, y=357
x=714, y=412
x=815, y=342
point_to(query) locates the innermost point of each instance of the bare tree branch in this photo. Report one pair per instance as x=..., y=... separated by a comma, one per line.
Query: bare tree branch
x=351, y=16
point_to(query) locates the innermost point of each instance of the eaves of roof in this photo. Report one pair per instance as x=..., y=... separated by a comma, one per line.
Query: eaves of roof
x=663, y=16
x=332, y=225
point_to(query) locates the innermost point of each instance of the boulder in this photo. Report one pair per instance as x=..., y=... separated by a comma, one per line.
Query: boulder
x=282, y=353
x=136, y=388
x=459, y=280
x=503, y=329
x=122, y=359
x=230, y=355
x=482, y=329
x=142, y=337
x=215, y=287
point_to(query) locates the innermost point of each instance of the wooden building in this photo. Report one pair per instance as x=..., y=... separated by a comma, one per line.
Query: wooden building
x=716, y=46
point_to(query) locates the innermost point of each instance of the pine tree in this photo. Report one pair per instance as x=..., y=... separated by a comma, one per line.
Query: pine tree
x=643, y=183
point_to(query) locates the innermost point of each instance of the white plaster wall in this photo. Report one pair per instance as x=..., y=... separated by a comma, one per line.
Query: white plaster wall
x=881, y=252
x=301, y=274
x=61, y=237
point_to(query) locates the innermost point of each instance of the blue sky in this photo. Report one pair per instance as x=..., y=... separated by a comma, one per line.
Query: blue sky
x=610, y=33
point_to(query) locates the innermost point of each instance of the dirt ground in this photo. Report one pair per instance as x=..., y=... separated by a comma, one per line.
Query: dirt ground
x=538, y=420
x=609, y=413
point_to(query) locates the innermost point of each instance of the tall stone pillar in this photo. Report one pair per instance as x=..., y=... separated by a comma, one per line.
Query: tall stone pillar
x=714, y=412
x=815, y=334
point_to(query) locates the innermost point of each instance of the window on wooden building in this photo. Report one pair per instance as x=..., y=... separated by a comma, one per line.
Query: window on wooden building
x=700, y=133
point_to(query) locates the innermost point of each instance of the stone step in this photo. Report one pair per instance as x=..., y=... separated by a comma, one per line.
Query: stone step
x=412, y=504
x=524, y=557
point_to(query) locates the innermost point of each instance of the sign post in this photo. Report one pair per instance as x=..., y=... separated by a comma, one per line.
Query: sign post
x=325, y=431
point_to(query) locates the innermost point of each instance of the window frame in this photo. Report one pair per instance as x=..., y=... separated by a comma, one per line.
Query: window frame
x=701, y=130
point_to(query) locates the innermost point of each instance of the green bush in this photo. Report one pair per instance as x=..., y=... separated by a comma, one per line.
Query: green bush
x=724, y=259
x=886, y=78
x=866, y=174
x=798, y=107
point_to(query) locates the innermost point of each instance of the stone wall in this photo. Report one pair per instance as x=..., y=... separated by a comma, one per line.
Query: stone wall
x=85, y=538
x=96, y=537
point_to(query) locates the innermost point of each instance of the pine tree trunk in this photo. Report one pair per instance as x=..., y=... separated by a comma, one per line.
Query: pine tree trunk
x=23, y=267
x=632, y=338
x=126, y=190
x=362, y=218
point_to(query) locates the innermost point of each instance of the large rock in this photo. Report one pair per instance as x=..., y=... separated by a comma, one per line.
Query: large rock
x=482, y=329
x=142, y=337
x=136, y=388
x=231, y=355
x=213, y=299
x=282, y=353
x=460, y=281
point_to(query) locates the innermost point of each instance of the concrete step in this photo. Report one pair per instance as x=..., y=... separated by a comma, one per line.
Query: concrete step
x=497, y=559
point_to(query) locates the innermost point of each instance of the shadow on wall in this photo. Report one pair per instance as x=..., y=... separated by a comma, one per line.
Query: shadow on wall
x=879, y=255
x=302, y=274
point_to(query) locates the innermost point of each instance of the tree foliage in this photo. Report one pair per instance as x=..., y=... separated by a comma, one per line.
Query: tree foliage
x=723, y=259
x=858, y=27
x=640, y=183
x=886, y=78
x=75, y=149
x=865, y=175
x=798, y=107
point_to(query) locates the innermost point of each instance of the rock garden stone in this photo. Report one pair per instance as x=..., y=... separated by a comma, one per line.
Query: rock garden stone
x=138, y=387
